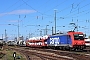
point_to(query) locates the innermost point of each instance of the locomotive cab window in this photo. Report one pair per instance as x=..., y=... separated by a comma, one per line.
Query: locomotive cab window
x=1, y=39
x=78, y=37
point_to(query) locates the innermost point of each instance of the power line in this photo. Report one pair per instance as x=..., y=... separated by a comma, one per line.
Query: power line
x=79, y=8
x=47, y=10
x=11, y=5
x=72, y=7
x=56, y=6
x=81, y=12
x=31, y=7
x=36, y=10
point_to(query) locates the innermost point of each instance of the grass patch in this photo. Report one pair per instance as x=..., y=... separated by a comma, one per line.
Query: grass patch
x=9, y=55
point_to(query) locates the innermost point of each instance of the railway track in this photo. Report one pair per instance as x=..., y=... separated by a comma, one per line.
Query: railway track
x=41, y=55
x=76, y=55
x=50, y=54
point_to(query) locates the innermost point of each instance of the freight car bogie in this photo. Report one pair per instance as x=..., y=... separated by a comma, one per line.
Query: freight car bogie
x=69, y=48
x=60, y=47
x=79, y=47
x=64, y=48
x=54, y=47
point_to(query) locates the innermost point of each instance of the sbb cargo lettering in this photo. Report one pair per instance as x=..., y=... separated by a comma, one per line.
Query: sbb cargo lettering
x=54, y=40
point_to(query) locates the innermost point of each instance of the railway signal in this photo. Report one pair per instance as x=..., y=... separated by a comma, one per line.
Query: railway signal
x=14, y=55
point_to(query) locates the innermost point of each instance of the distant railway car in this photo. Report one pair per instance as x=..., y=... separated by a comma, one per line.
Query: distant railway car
x=87, y=42
x=70, y=40
x=11, y=43
x=22, y=43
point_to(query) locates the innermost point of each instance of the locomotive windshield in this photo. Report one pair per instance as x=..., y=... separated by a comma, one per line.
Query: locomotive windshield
x=78, y=37
x=1, y=39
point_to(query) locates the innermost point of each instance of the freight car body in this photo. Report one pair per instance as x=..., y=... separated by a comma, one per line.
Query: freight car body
x=37, y=41
x=71, y=40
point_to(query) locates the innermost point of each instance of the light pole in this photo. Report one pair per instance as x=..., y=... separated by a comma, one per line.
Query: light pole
x=46, y=29
x=55, y=21
x=17, y=27
x=40, y=32
x=5, y=35
x=18, y=30
x=32, y=25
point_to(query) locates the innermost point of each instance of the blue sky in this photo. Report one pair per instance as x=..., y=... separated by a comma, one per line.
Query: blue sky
x=32, y=13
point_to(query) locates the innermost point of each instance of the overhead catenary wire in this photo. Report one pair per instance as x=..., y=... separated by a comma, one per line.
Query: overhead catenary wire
x=11, y=6
x=80, y=12
x=76, y=10
x=14, y=8
x=31, y=7
x=72, y=7
x=40, y=12
x=47, y=10
x=56, y=6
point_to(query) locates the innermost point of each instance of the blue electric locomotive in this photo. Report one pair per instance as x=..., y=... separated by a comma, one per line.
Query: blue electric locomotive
x=72, y=40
